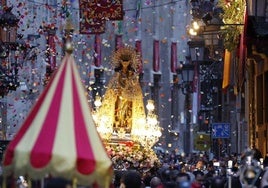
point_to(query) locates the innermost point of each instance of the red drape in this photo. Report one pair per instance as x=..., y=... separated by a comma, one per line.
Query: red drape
x=97, y=57
x=196, y=78
x=174, y=59
x=156, y=56
x=118, y=41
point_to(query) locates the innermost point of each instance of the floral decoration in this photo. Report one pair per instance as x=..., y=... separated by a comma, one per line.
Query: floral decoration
x=129, y=155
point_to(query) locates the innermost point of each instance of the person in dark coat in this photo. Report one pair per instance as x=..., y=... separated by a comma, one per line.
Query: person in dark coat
x=58, y=183
x=131, y=179
x=156, y=182
x=218, y=182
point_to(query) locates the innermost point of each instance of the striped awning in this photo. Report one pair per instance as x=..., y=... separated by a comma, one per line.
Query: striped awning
x=59, y=137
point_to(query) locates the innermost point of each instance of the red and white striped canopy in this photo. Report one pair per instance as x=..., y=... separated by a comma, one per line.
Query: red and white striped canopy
x=59, y=137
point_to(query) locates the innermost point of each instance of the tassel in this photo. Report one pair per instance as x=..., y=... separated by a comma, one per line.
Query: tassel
x=29, y=183
x=4, y=182
x=74, y=183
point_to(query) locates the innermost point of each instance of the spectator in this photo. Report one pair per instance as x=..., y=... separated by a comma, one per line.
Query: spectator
x=58, y=183
x=131, y=179
x=218, y=182
x=156, y=182
x=117, y=178
x=199, y=179
x=183, y=180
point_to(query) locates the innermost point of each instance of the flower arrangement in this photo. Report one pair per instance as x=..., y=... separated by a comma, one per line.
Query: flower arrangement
x=130, y=155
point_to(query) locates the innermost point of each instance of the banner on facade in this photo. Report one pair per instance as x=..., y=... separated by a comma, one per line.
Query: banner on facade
x=94, y=14
x=226, y=69
x=97, y=47
x=91, y=26
x=102, y=9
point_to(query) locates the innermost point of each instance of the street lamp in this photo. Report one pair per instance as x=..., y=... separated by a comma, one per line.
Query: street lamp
x=9, y=60
x=9, y=25
x=68, y=31
x=187, y=74
x=9, y=42
x=208, y=70
x=196, y=48
x=213, y=33
x=188, y=71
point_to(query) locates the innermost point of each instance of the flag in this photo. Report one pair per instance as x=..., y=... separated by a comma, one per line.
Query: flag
x=105, y=9
x=226, y=69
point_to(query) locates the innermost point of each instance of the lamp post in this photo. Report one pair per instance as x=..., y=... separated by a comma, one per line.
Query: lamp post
x=8, y=24
x=50, y=30
x=8, y=70
x=196, y=48
x=9, y=61
x=187, y=73
x=208, y=66
x=68, y=36
x=190, y=85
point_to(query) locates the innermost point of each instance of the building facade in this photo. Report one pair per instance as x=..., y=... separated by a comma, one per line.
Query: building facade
x=256, y=74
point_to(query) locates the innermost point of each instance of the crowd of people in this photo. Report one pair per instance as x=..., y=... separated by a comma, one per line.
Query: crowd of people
x=198, y=171
x=247, y=170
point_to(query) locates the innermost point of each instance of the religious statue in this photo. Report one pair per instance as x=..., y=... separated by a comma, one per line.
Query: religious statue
x=123, y=100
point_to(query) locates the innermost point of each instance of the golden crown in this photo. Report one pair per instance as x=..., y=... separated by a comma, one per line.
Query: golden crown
x=126, y=53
